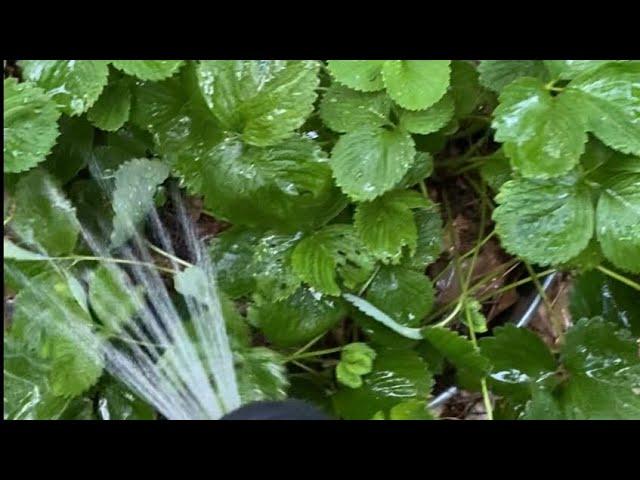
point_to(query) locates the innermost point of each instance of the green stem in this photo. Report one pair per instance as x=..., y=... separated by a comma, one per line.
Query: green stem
x=620, y=278
x=555, y=322
x=82, y=258
x=317, y=353
x=168, y=255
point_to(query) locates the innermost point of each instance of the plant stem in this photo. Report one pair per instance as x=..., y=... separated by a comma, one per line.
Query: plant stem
x=620, y=278
x=555, y=322
x=80, y=258
x=168, y=255
x=317, y=353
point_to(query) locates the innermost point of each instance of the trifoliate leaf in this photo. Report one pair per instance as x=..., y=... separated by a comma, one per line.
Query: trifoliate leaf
x=607, y=100
x=361, y=75
x=30, y=128
x=298, y=318
x=594, y=294
x=397, y=376
x=386, y=223
x=264, y=101
x=112, y=298
x=497, y=74
x=519, y=358
x=368, y=162
x=458, y=350
x=111, y=110
x=345, y=110
x=261, y=375
x=44, y=218
x=287, y=187
x=149, y=69
x=541, y=135
x=356, y=360
x=74, y=85
x=135, y=185
x=405, y=295
x=274, y=275
x=495, y=170
x=346, y=377
x=334, y=249
x=604, y=372
x=544, y=223
x=429, y=244
x=72, y=150
x=473, y=316
x=416, y=84
x=232, y=256
x=430, y=120
x=618, y=221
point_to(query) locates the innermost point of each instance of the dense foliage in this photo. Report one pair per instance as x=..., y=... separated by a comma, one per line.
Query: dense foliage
x=331, y=182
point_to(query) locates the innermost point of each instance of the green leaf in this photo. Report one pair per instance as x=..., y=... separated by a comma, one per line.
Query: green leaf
x=334, y=249
x=496, y=170
x=112, y=298
x=361, y=75
x=604, y=372
x=111, y=110
x=30, y=128
x=345, y=110
x=298, y=318
x=544, y=223
x=232, y=256
x=473, y=317
x=519, y=358
x=587, y=259
x=149, y=69
x=115, y=402
x=264, y=101
x=405, y=295
x=397, y=376
x=287, y=187
x=607, y=99
x=135, y=185
x=542, y=406
x=368, y=162
x=411, y=410
x=430, y=120
x=568, y=69
x=416, y=84
x=13, y=251
x=497, y=74
x=275, y=278
x=618, y=221
x=74, y=367
x=422, y=168
x=466, y=90
x=595, y=294
x=541, y=135
x=386, y=224
x=44, y=218
x=74, y=85
x=72, y=150
x=458, y=350
x=261, y=375
x=429, y=244
x=27, y=390
x=346, y=377
x=356, y=360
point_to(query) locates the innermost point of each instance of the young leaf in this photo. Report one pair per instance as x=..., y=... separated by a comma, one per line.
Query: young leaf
x=497, y=74
x=74, y=85
x=153, y=70
x=541, y=135
x=264, y=101
x=416, y=84
x=333, y=249
x=542, y=222
x=111, y=110
x=356, y=360
x=44, y=218
x=345, y=110
x=361, y=75
x=30, y=128
x=135, y=185
x=367, y=162
x=298, y=318
x=287, y=187
x=386, y=224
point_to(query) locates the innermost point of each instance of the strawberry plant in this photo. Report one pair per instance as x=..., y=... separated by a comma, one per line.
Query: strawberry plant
x=374, y=227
